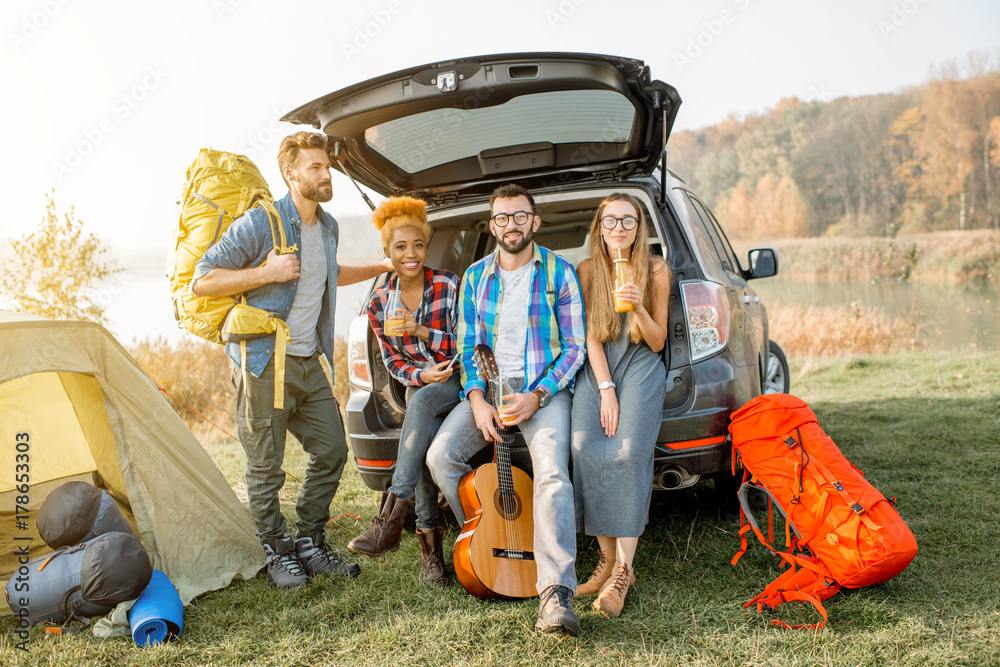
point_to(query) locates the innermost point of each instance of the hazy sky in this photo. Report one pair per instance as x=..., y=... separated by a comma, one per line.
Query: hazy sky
x=108, y=101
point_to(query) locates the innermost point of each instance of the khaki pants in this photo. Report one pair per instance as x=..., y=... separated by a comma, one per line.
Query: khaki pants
x=311, y=414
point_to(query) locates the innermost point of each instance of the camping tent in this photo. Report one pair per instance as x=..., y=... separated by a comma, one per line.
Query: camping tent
x=75, y=406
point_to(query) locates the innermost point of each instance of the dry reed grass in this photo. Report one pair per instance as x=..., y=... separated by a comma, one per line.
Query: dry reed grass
x=193, y=372
x=829, y=331
x=950, y=256
x=197, y=374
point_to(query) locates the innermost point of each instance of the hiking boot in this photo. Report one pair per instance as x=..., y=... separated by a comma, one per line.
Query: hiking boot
x=555, y=612
x=432, y=555
x=605, y=568
x=317, y=558
x=612, y=597
x=386, y=530
x=283, y=567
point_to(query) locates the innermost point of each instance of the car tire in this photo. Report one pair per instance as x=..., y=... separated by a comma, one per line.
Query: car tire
x=776, y=378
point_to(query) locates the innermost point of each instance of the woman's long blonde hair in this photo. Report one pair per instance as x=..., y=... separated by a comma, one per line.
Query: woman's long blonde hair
x=602, y=320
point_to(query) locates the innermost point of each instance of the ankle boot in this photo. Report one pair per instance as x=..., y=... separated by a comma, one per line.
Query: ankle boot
x=605, y=568
x=386, y=530
x=432, y=555
x=612, y=597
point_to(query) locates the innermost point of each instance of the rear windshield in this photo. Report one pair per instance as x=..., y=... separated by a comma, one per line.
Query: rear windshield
x=430, y=139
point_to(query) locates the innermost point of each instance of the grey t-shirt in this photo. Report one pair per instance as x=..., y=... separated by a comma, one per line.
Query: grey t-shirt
x=304, y=314
x=512, y=336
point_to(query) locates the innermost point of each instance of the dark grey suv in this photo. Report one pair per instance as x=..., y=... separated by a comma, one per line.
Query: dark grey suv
x=572, y=128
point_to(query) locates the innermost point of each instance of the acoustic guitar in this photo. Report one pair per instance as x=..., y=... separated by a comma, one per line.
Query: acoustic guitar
x=494, y=555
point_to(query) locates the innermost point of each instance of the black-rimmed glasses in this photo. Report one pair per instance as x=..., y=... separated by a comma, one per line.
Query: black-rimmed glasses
x=520, y=217
x=610, y=221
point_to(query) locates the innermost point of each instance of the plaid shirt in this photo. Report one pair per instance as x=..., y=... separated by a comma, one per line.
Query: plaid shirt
x=405, y=355
x=556, y=346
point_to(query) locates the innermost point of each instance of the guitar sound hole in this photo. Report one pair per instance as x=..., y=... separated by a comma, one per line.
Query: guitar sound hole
x=508, y=505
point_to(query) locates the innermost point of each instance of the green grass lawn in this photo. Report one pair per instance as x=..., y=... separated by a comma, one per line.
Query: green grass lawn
x=924, y=427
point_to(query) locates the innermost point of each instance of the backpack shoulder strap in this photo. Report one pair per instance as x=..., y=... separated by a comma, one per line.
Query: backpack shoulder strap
x=799, y=585
x=278, y=237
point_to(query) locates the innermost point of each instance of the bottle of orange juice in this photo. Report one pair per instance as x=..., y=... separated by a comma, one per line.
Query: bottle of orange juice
x=391, y=321
x=621, y=279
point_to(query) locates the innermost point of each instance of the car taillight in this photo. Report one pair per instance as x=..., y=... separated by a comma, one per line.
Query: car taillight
x=706, y=307
x=357, y=354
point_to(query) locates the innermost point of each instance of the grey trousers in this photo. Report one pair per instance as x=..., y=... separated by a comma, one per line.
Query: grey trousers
x=547, y=433
x=313, y=417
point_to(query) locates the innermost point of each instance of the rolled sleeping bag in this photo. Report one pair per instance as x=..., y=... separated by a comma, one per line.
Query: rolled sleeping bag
x=158, y=614
x=82, y=581
x=76, y=512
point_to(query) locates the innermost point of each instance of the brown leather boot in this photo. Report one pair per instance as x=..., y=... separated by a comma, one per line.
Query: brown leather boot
x=605, y=568
x=386, y=530
x=432, y=555
x=612, y=597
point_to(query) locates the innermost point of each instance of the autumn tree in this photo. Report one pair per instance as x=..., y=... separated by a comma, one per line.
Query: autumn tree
x=921, y=159
x=57, y=270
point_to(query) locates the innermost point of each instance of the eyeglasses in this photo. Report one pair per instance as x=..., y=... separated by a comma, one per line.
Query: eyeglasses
x=610, y=221
x=520, y=217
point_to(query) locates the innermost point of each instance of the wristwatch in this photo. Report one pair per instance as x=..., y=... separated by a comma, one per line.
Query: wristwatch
x=607, y=384
x=543, y=396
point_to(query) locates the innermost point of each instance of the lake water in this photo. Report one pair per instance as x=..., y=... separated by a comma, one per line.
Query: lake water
x=951, y=317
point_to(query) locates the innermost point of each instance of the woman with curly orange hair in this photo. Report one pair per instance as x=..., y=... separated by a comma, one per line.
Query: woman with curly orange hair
x=418, y=342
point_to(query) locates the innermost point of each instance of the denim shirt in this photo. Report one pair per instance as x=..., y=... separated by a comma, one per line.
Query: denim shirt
x=246, y=244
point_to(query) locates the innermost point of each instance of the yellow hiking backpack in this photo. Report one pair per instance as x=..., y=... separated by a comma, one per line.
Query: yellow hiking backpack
x=219, y=188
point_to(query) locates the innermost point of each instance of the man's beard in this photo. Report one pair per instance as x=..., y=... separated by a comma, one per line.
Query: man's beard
x=526, y=235
x=314, y=193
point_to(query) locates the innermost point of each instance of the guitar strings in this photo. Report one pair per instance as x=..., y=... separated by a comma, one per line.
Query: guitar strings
x=505, y=479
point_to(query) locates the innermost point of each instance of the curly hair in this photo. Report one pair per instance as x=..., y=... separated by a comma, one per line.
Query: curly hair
x=397, y=212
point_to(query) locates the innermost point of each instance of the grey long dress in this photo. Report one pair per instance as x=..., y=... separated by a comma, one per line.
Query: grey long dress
x=613, y=477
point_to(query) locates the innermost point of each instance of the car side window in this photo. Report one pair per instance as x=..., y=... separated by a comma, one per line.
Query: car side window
x=711, y=250
x=727, y=249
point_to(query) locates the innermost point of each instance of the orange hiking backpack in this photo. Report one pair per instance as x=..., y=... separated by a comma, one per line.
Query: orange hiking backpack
x=839, y=530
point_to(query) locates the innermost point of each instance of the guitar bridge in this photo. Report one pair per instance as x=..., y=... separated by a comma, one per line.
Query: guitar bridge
x=514, y=554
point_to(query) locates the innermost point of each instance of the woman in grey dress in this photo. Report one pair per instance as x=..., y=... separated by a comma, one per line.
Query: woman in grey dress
x=615, y=415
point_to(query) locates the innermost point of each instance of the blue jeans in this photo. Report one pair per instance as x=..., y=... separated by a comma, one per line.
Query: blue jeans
x=547, y=433
x=426, y=408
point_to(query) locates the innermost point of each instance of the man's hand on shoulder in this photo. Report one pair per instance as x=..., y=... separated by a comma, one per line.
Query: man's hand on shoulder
x=281, y=268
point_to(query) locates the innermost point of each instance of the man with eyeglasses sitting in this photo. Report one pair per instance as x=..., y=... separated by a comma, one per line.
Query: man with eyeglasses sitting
x=525, y=302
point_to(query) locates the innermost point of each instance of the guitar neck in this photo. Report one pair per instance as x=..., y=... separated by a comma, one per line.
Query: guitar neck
x=501, y=457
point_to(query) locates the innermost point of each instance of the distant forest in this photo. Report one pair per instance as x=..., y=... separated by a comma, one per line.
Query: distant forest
x=924, y=159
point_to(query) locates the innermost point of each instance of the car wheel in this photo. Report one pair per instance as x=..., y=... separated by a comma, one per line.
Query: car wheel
x=776, y=378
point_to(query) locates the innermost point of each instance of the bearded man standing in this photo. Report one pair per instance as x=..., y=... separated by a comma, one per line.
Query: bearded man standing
x=301, y=289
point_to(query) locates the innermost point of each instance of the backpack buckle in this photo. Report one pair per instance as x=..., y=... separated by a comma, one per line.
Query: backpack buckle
x=858, y=509
x=838, y=486
x=791, y=442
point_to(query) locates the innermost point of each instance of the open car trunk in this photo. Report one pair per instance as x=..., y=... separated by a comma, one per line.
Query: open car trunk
x=444, y=130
